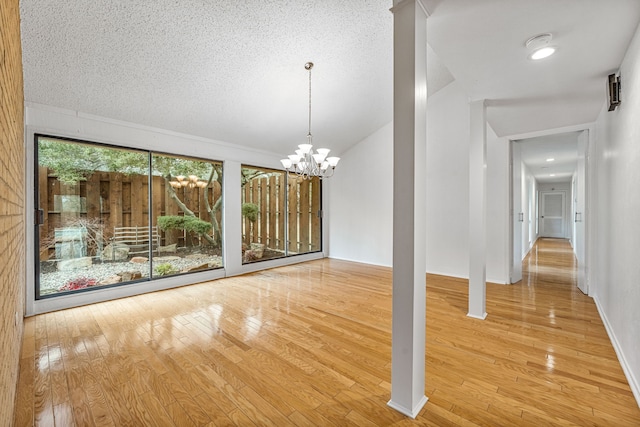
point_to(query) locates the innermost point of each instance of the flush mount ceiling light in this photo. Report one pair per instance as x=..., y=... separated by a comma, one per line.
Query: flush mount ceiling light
x=550, y=159
x=540, y=47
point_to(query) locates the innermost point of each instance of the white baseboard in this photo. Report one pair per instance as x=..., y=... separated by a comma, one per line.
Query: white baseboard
x=633, y=382
x=357, y=261
x=409, y=412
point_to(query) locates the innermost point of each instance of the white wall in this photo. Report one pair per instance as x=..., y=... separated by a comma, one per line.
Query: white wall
x=568, y=202
x=527, y=207
x=498, y=251
x=448, y=182
x=361, y=202
x=360, y=215
x=617, y=245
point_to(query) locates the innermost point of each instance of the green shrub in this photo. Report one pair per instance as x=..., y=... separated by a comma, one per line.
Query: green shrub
x=165, y=269
x=188, y=223
x=250, y=211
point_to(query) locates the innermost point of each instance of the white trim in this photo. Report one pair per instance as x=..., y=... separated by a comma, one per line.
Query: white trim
x=546, y=132
x=131, y=125
x=359, y=262
x=99, y=295
x=413, y=413
x=473, y=316
x=278, y=262
x=628, y=372
x=110, y=293
x=64, y=123
x=402, y=3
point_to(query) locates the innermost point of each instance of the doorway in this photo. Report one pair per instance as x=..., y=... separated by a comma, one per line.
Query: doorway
x=553, y=214
x=541, y=167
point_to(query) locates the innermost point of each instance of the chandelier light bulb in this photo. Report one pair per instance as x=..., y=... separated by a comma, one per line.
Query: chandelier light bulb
x=305, y=148
x=286, y=163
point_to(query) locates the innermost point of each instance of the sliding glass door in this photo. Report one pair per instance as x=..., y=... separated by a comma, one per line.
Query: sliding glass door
x=281, y=215
x=109, y=216
x=187, y=195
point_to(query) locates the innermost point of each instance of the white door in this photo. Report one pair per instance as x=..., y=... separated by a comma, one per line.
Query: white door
x=578, y=216
x=517, y=213
x=553, y=214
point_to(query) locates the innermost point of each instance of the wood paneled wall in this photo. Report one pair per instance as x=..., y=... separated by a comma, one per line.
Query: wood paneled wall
x=12, y=208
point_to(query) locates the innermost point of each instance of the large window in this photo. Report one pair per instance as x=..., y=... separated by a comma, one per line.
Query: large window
x=188, y=194
x=281, y=215
x=110, y=216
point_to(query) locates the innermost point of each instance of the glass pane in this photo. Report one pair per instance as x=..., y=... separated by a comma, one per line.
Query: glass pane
x=90, y=198
x=263, y=214
x=187, y=211
x=305, y=229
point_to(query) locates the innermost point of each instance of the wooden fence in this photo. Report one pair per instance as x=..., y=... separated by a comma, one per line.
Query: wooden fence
x=115, y=200
x=301, y=208
x=119, y=200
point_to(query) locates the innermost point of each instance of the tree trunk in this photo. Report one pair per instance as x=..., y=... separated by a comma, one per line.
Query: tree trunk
x=184, y=208
x=213, y=211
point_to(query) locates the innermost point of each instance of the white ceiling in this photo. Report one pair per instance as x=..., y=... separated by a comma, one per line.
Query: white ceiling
x=562, y=148
x=233, y=70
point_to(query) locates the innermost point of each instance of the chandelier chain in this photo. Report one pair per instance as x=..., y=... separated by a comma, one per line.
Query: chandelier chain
x=309, y=68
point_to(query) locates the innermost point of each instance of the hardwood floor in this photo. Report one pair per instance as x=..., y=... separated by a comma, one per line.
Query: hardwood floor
x=309, y=344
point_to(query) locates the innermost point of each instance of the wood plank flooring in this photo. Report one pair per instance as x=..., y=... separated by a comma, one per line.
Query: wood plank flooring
x=310, y=345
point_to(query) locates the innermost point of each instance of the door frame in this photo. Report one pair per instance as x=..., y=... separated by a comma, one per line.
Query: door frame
x=516, y=219
x=565, y=217
x=589, y=220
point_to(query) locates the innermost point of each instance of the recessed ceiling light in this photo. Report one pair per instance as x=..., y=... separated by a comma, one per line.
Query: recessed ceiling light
x=539, y=46
x=543, y=53
x=552, y=174
x=550, y=159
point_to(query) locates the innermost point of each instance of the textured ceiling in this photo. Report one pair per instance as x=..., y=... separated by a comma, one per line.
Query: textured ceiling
x=226, y=70
x=233, y=70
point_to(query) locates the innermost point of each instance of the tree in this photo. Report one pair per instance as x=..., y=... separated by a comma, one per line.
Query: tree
x=74, y=162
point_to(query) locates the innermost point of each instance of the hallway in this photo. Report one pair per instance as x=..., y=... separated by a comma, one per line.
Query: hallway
x=310, y=344
x=542, y=356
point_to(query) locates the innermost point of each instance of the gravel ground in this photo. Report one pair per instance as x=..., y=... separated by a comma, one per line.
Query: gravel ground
x=51, y=281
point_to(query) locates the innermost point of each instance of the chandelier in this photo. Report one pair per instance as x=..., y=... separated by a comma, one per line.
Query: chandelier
x=305, y=162
x=190, y=181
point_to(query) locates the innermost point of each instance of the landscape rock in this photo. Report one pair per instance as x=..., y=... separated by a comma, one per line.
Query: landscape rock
x=111, y=280
x=115, y=252
x=196, y=256
x=257, y=249
x=139, y=260
x=128, y=276
x=196, y=268
x=168, y=248
x=160, y=259
x=74, y=263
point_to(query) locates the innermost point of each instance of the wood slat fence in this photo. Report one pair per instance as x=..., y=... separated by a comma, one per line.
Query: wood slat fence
x=115, y=200
x=301, y=209
x=119, y=200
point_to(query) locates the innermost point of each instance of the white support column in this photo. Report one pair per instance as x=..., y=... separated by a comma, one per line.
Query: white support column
x=231, y=218
x=409, y=206
x=477, y=210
